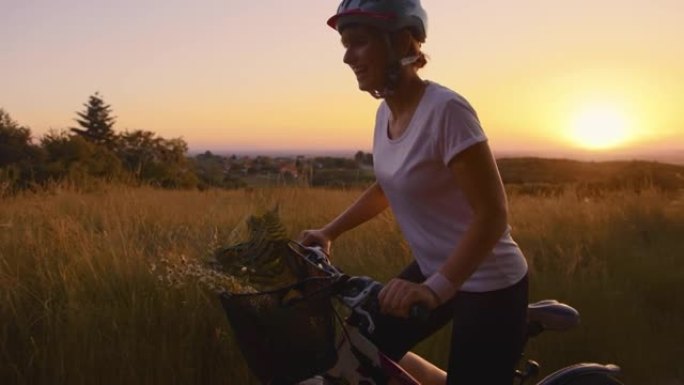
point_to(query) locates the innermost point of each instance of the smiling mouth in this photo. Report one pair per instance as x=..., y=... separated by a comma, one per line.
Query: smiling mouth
x=360, y=75
x=359, y=71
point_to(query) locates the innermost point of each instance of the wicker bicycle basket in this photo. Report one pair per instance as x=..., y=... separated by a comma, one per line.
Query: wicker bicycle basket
x=287, y=334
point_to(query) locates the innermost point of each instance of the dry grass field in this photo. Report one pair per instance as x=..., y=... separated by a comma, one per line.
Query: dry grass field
x=81, y=300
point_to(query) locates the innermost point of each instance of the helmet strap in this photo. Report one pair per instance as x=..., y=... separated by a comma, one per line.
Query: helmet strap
x=409, y=60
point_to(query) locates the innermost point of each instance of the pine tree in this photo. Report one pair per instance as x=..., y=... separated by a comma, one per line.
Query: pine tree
x=15, y=140
x=96, y=122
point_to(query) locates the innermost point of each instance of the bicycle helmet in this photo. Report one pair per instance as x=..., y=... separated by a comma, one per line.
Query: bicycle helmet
x=387, y=15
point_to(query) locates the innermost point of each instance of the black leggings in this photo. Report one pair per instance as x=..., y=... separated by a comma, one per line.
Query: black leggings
x=486, y=340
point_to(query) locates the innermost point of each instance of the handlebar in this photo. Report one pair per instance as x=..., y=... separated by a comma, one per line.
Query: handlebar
x=358, y=293
x=419, y=312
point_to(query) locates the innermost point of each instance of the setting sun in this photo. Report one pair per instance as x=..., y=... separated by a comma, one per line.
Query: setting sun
x=600, y=127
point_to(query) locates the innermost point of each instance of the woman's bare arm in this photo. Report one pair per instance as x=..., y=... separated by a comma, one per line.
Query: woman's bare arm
x=371, y=203
x=478, y=176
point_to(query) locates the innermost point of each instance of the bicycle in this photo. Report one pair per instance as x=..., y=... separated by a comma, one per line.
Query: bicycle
x=288, y=335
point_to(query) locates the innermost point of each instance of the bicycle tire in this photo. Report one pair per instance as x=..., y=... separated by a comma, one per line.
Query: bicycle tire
x=592, y=379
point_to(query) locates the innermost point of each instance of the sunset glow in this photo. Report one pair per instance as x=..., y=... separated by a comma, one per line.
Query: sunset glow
x=600, y=127
x=264, y=75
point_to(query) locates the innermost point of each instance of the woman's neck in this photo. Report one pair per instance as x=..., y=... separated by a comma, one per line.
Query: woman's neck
x=406, y=96
x=403, y=104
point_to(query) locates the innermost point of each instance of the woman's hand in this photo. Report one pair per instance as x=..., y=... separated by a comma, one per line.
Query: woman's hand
x=315, y=237
x=398, y=296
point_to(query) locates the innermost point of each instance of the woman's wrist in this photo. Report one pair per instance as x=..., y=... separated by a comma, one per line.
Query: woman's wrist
x=440, y=285
x=329, y=232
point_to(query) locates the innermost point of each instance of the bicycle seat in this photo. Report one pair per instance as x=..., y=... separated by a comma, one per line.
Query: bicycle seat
x=552, y=315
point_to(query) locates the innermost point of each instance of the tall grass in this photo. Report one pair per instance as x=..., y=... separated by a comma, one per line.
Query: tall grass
x=81, y=299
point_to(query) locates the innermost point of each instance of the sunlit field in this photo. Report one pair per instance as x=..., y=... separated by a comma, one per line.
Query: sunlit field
x=81, y=301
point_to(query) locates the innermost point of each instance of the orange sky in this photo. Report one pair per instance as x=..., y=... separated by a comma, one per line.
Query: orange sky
x=268, y=74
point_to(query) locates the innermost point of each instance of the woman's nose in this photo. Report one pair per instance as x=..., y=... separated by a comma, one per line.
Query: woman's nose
x=348, y=57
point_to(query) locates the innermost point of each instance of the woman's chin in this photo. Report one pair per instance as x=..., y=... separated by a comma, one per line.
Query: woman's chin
x=367, y=86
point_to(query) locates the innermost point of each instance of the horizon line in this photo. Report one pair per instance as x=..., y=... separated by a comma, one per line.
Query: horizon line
x=659, y=155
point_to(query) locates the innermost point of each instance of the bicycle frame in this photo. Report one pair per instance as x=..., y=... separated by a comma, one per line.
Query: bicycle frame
x=360, y=362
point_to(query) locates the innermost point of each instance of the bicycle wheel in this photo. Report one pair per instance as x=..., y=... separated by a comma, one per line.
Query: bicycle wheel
x=591, y=379
x=317, y=380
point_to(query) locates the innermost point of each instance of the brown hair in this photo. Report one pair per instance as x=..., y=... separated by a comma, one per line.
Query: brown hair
x=413, y=48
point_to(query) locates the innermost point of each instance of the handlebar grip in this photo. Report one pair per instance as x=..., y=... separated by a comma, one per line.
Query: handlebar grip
x=419, y=312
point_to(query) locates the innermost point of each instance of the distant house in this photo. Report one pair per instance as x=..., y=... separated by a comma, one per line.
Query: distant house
x=288, y=170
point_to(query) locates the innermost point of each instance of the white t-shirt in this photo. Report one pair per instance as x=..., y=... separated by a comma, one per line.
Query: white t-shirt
x=423, y=193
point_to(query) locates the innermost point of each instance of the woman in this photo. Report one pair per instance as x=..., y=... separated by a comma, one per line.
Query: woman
x=435, y=170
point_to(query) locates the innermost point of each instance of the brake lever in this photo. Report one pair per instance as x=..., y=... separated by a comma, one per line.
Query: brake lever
x=360, y=292
x=319, y=257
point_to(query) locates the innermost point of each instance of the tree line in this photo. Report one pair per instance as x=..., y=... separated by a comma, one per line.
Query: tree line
x=93, y=151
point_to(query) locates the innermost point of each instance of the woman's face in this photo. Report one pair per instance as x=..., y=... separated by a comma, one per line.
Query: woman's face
x=366, y=54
